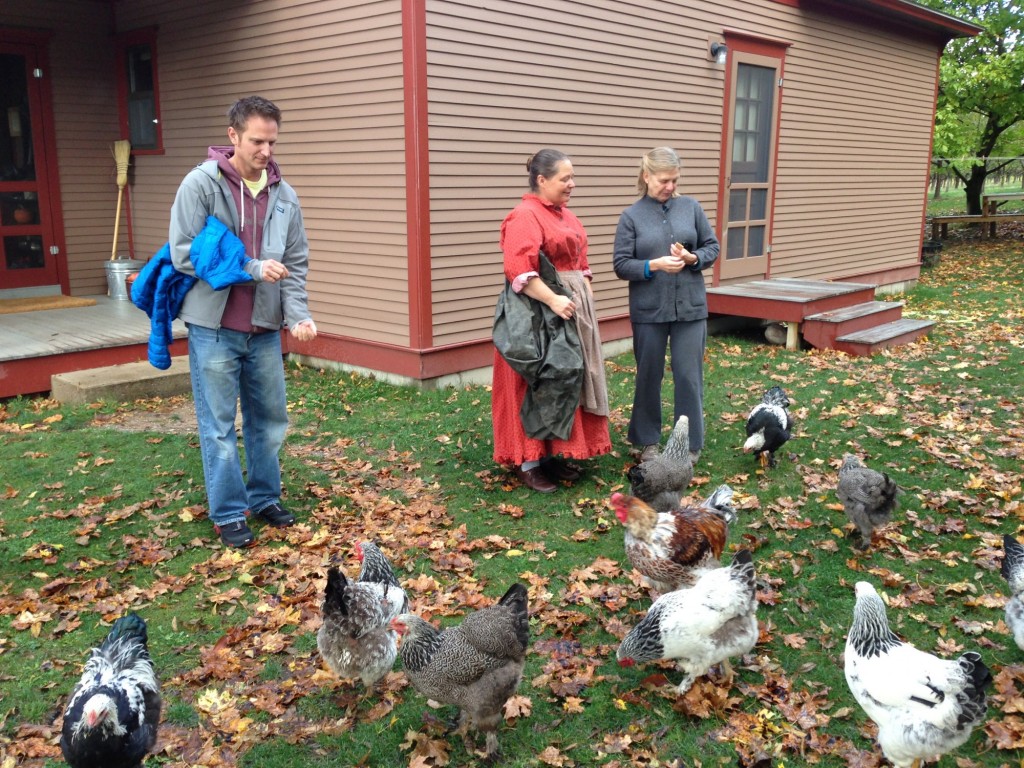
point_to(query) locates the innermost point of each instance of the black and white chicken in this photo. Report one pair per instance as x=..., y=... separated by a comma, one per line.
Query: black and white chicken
x=1013, y=571
x=355, y=639
x=114, y=711
x=869, y=497
x=924, y=706
x=699, y=626
x=769, y=426
x=661, y=481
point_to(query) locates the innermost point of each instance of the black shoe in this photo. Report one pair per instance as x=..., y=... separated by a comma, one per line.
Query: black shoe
x=276, y=516
x=235, y=534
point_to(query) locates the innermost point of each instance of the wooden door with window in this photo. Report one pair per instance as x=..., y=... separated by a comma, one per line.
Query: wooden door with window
x=28, y=241
x=750, y=138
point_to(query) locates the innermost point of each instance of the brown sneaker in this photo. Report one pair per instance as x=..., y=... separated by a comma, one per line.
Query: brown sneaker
x=536, y=480
x=558, y=470
x=650, y=452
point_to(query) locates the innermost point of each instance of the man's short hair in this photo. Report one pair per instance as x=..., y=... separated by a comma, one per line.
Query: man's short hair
x=244, y=108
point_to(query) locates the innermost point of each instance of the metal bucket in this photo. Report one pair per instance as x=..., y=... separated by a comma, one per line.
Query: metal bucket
x=117, y=271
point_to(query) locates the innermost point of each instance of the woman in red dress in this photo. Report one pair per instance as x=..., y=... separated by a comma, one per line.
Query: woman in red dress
x=542, y=222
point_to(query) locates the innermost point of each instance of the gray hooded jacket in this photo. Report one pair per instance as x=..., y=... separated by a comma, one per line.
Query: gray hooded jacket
x=206, y=191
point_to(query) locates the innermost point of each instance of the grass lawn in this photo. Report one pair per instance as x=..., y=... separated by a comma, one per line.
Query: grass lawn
x=99, y=517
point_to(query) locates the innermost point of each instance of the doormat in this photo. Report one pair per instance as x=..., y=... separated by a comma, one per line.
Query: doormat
x=35, y=303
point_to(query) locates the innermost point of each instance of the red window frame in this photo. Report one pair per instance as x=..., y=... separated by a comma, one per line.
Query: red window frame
x=125, y=41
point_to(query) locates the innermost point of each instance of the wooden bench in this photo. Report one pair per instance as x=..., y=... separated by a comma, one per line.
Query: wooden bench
x=941, y=223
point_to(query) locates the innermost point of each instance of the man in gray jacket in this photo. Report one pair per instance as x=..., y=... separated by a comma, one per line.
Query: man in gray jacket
x=234, y=338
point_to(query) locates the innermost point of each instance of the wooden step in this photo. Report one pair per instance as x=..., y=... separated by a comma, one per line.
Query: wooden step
x=872, y=340
x=822, y=329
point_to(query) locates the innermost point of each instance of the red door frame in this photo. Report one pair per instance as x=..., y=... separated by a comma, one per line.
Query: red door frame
x=34, y=45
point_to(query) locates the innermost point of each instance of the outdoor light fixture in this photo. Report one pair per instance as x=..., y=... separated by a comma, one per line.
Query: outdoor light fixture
x=718, y=52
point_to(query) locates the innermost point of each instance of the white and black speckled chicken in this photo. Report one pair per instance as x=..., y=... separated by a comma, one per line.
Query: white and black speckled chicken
x=869, y=497
x=769, y=426
x=700, y=626
x=355, y=639
x=671, y=549
x=924, y=706
x=1013, y=571
x=662, y=480
x=114, y=711
x=476, y=665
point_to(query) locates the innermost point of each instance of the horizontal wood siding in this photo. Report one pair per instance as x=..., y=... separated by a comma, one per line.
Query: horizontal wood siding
x=509, y=78
x=86, y=125
x=605, y=83
x=335, y=69
x=855, y=142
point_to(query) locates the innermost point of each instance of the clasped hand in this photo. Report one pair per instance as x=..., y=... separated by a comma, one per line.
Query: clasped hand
x=563, y=306
x=271, y=271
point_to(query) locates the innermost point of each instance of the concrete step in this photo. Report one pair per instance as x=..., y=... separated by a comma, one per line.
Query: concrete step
x=822, y=329
x=122, y=383
x=872, y=340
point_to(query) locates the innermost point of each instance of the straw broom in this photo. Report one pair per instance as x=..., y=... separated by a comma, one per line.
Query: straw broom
x=122, y=152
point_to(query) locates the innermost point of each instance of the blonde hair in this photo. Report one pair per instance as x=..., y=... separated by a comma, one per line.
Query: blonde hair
x=658, y=160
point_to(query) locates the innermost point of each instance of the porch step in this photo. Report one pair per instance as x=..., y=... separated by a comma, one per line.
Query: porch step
x=129, y=381
x=822, y=329
x=892, y=334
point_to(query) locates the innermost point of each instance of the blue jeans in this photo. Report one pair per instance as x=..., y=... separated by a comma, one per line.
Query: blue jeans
x=229, y=367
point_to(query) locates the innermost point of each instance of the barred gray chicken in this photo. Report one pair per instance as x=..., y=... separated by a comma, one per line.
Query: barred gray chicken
x=699, y=626
x=476, y=665
x=924, y=706
x=662, y=481
x=112, y=716
x=769, y=426
x=1013, y=571
x=869, y=497
x=355, y=639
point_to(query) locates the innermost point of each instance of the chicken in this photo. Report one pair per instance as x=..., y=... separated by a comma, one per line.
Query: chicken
x=1013, y=571
x=869, y=497
x=113, y=714
x=476, y=665
x=700, y=626
x=671, y=548
x=769, y=426
x=924, y=706
x=355, y=639
x=662, y=481
x=374, y=566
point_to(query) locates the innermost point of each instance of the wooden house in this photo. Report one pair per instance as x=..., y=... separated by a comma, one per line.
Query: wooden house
x=805, y=128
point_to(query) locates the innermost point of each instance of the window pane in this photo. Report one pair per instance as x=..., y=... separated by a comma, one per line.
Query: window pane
x=142, y=128
x=755, y=241
x=758, y=203
x=142, y=123
x=734, y=243
x=140, y=69
x=737, y=205
x=24, y=252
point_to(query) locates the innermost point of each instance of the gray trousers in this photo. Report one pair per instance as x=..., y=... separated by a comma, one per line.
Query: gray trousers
x=687, y=341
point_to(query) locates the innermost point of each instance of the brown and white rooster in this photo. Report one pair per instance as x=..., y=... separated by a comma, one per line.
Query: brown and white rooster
x=671, y=548
x=476, y=665
x=661, y=481
x=700, y=626
x=355, y=638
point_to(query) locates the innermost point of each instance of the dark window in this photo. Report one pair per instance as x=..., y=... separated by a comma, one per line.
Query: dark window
x=139, y=95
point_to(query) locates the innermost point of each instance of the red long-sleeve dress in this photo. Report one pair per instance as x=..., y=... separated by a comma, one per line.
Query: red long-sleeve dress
x=530, y=227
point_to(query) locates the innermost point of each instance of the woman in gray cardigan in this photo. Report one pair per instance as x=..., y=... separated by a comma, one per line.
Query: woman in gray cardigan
x=662, y=244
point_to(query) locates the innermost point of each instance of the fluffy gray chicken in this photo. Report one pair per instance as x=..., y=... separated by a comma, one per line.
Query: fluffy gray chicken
x=112, y=716
x=924, y=706
x=869, y=497
x=700, y=626
x=476, y=665
x=1013, y=571
x=662, y=481
x=355, y=639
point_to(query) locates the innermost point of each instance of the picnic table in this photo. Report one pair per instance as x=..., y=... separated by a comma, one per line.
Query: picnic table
x=990, y=203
